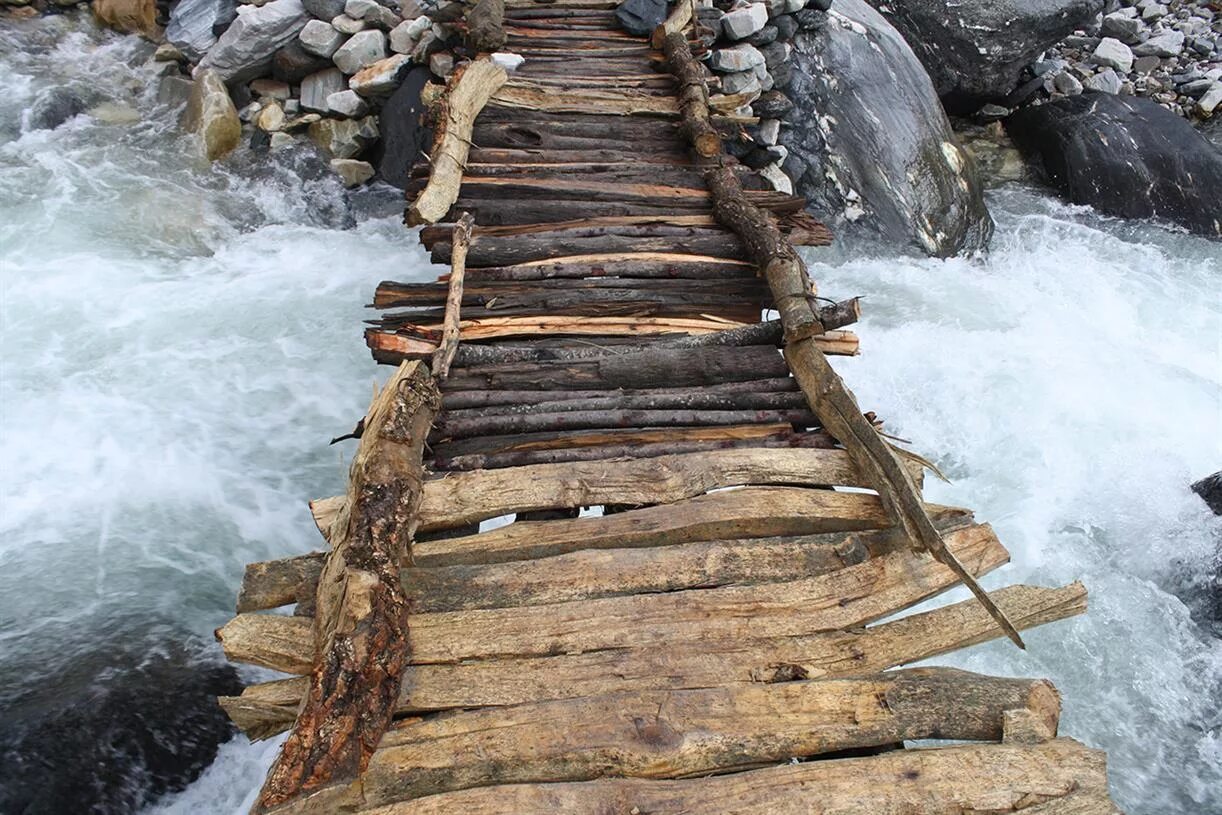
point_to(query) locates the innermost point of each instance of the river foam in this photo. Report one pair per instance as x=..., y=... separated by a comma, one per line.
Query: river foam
x=180, y=341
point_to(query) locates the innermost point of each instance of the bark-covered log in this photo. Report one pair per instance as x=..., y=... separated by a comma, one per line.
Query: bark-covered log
x=444, y=355
x=360, y=627
x=468, y=91
x=479, y=397
x=526, y=248
x=693, y=95
x=491, y=292
x=458, y=427
x=635, y=265
x=486, y=26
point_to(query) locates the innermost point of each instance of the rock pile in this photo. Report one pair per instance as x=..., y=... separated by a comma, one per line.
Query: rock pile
x=1170, y=53
x=316, y=69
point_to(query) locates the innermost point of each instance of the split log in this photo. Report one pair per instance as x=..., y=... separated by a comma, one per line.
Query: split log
x=462, y=399
x=712, y=662
x=849, y=597
x=617, y=102
x=515, y=249
x=681, y=733
x=693, y=92
x=486, y=26
x=682, y=399
x=467, y=93
x=753, y=512
x=1068, y=777
x=492, y=292
x=360, y=627
x=675, y=23
x=454, y=428
x=643, y=265
x=444, y=355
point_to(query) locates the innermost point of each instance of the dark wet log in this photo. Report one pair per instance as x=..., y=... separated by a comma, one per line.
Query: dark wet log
x=548, y=245
x=360, y=627
x=654, y=368
x=452, y=428
x=390, y=294
x=466, y=94
x=693, y=94
x=594, y=302
x=444, y=355
x=690, y=399
x=628, y=265
x=493, y=211
x=644, y=444
x=486, y=26
x=534, y=156
x=460, y=399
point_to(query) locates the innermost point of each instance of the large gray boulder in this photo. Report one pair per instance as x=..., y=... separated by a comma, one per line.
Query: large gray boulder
x=975, y=50
x=245, y=50
x=192, y=22
x=1125, y=156
x=869, y=142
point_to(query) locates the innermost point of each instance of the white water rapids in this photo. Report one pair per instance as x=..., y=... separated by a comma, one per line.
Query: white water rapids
x=180, y=342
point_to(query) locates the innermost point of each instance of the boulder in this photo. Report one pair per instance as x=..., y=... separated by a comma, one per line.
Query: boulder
x=360, y=51
x=210, y=113
x=1112, y=53
x=1163, y=44
x=1125, y=156
x=1210, y=490
x=128, y=16
x=404, y=134
x=744, y=22
x=641, y=17
x=316, y=87
x=246, y=49
x=55, y=106
x=380, y=78
x=344, y=138
x=320, y=39
x=977, y=53
x=192, y=24
x=869, y=142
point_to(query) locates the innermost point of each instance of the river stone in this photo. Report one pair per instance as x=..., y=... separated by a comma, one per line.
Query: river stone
x=271, y=118
x=868, y=141
x=344, y=138
x=192, y=22
x=1112, y=53
x=741, y=82
x=128, y=16
x=55, y=106
x=380, y=78
x=246, y=49
x=325, y=10
x=977, y=53
x=744, y=22
x=362, y=50
x=351, y=171
x=347, y=103
x=1125, y=156
x=211, y=114
x=321, y=39
x=293, y=63
x=741, y=57
x=641, y=17
x=315, y=89
x=404, y=134
x=1163, y=44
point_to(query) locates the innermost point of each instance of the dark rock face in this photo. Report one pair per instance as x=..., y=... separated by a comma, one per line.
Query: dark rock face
x=1210, y=490
x=403, y=135
x=55, y=106
x=1125, y=156
x=975, y=50
x=641, y=17
x=113, y=730
x=868, y=140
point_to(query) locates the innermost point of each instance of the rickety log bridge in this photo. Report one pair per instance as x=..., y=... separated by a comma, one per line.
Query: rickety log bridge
x=712, y=640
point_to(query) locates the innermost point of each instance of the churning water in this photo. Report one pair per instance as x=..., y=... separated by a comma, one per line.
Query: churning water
x=180, y=341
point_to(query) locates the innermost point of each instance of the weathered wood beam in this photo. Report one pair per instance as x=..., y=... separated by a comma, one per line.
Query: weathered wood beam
x=1069, y=778
x=461, y=241
x=468, y=91
x=360, y=642
x=746, y=658
x=673, y=734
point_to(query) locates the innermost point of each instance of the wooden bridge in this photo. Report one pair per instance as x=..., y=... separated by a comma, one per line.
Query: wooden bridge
x=717, y=632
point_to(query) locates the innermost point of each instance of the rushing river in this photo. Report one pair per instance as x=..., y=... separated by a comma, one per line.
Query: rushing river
x=180, y=341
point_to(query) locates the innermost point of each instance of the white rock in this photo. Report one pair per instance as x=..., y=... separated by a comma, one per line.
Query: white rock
x=347, y=103
x=745, y=21
x=320, y=39
x=316, y=87
x=380, y=78
x=741, y=57
x=364, y=49
x=1106, y=81
x=770, y=131
x=348, y=25
x=1112, y=53
x=1163, y=44
x=775, y=176
x=1211, y=99
x=401, y=40
x=508, y=61
x=1154, y=12
x=352, y=172
x=419, y=26
x=442, y=64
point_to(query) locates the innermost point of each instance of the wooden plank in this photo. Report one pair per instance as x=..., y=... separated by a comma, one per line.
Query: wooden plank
x=1067, y=777
x=856, y=651
x=681, y=733
x=751, y=512
x=849, y=597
